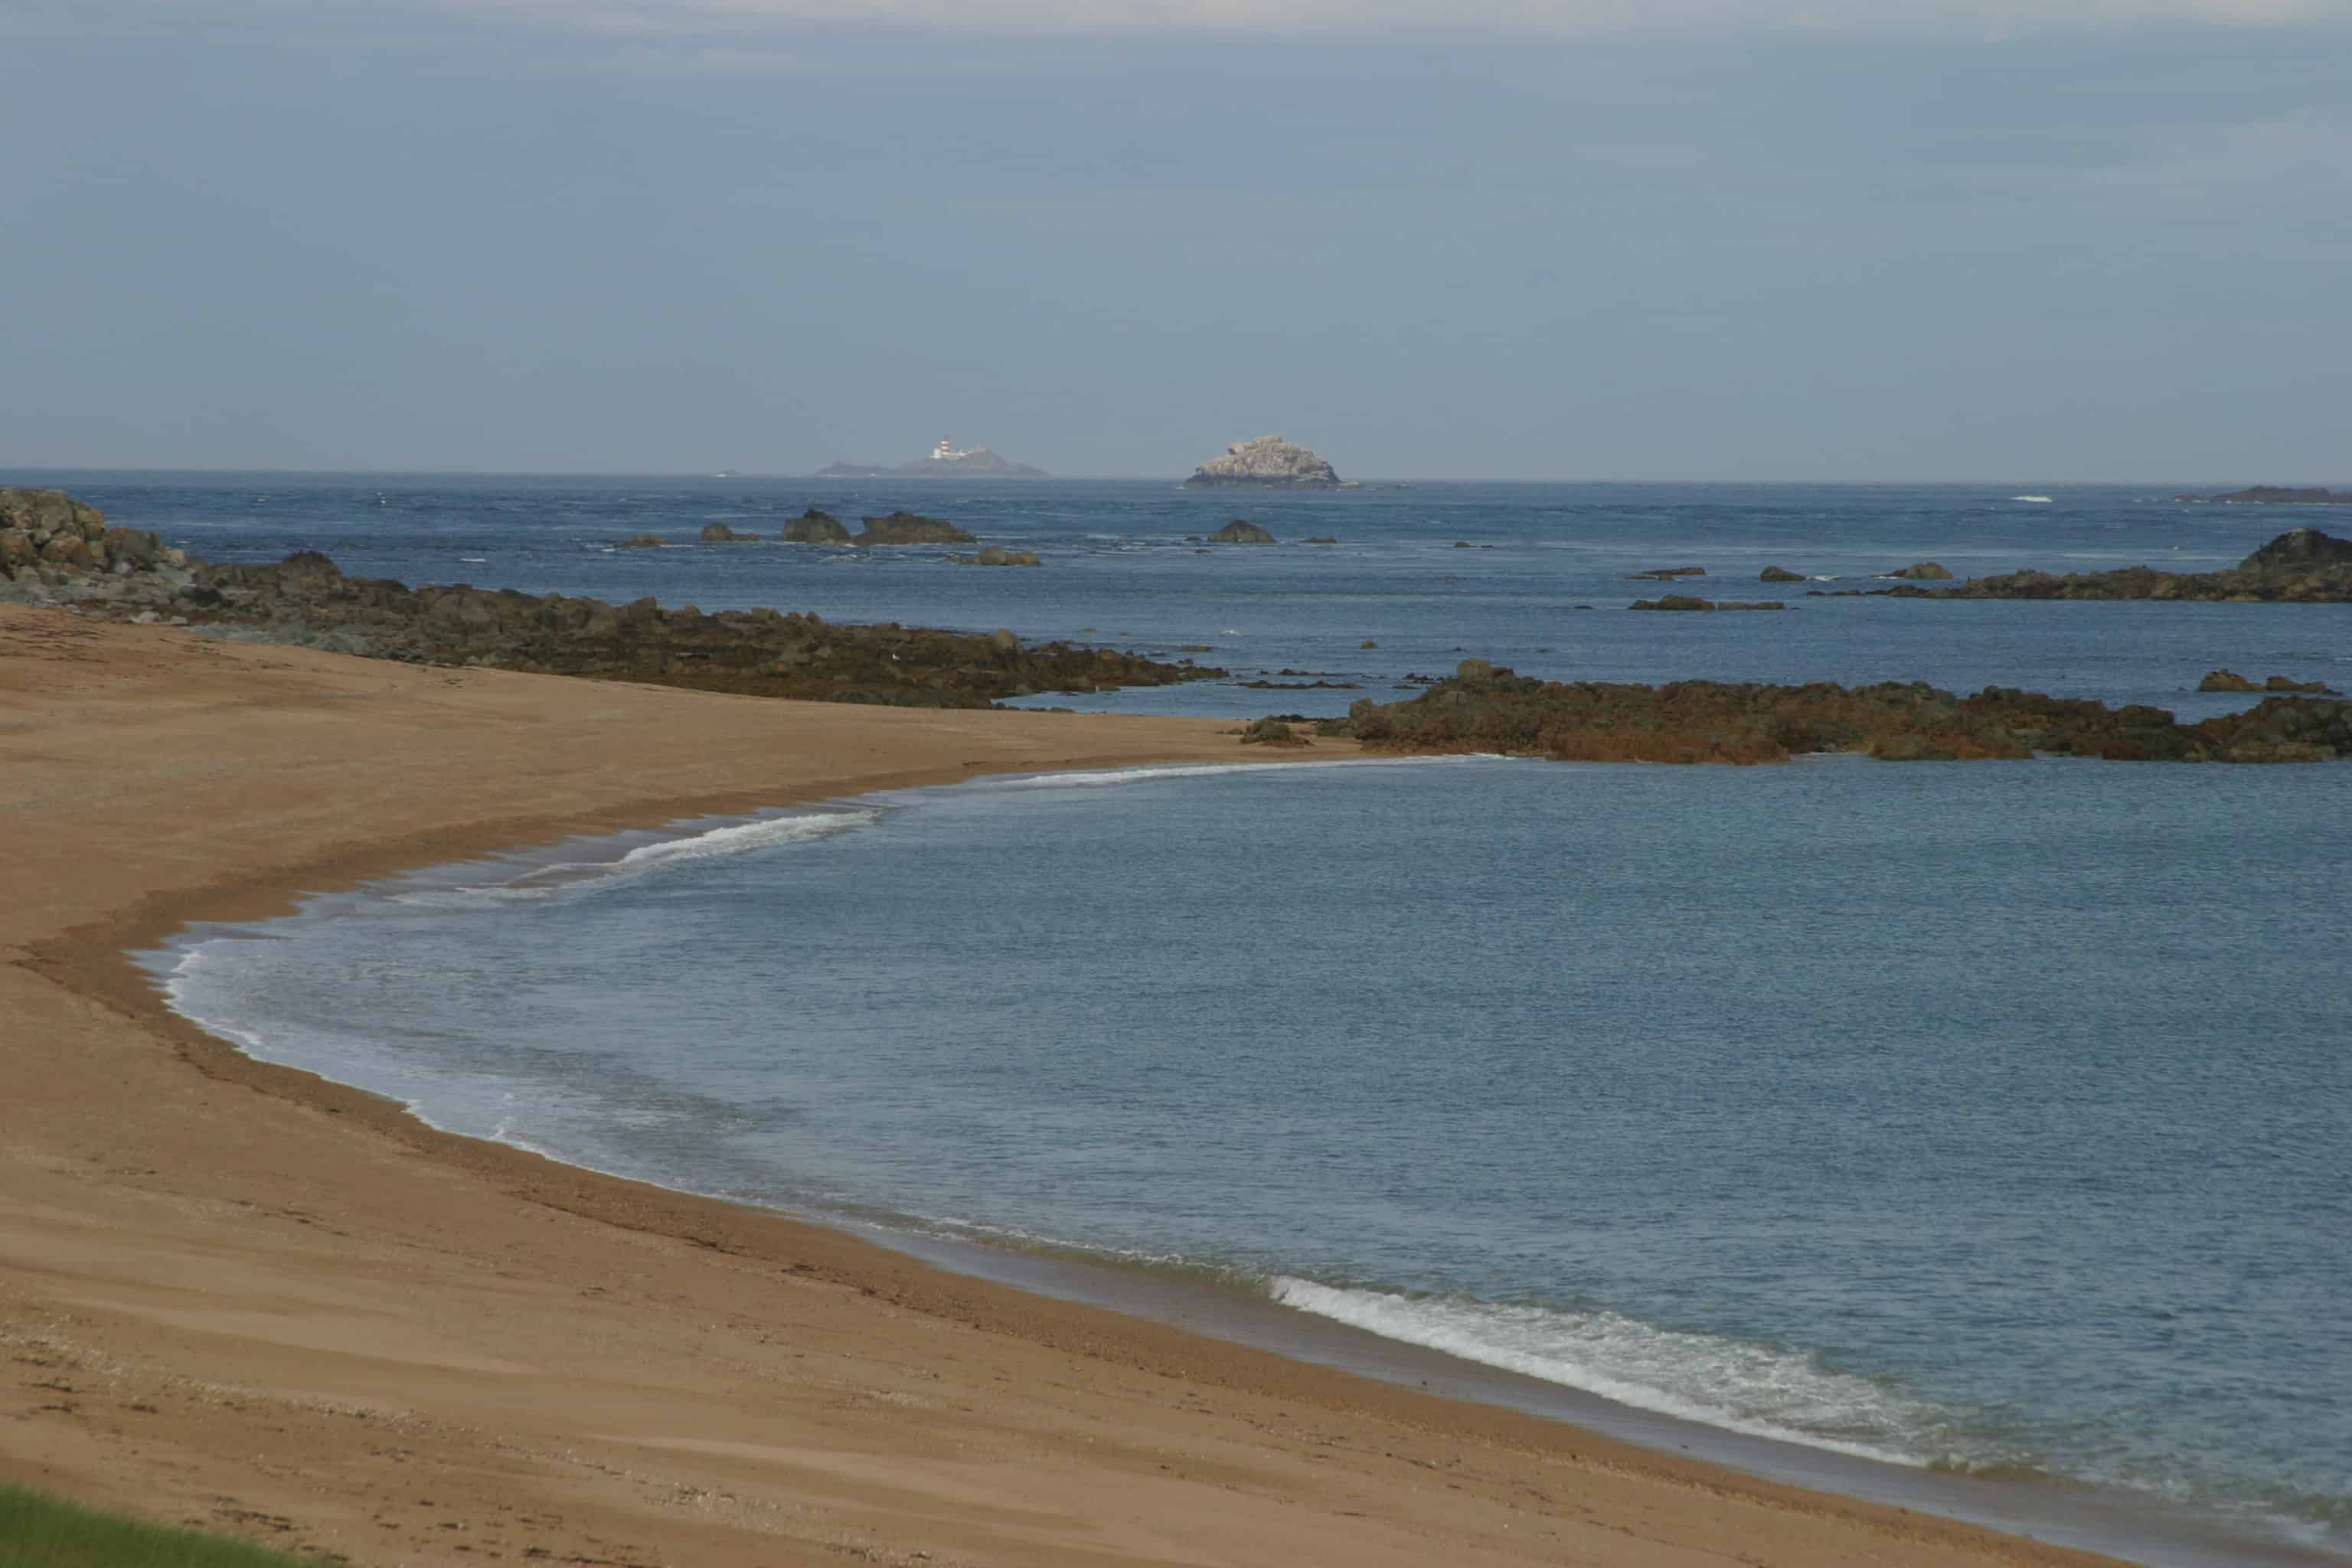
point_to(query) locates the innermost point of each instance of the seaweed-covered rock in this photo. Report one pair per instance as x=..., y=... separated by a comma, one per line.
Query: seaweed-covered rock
x=1715, y=721
x=814, y=527
x=910, y=527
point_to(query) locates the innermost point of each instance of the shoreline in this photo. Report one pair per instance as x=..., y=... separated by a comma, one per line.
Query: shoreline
x=106, y=1259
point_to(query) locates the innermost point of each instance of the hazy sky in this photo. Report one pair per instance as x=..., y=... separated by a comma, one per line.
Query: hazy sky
x=1680, y=238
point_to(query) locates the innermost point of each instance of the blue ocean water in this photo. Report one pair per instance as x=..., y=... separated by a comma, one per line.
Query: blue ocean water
x=1985, y=1117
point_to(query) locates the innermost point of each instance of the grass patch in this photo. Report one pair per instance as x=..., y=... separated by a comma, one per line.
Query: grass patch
x=40, y=1531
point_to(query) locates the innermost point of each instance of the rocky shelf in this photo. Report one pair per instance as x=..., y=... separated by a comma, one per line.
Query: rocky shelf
x=2300, y=566
x=1486, y=709
x=56, y=550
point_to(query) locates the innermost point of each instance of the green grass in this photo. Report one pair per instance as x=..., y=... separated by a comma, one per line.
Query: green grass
x=41, y=1532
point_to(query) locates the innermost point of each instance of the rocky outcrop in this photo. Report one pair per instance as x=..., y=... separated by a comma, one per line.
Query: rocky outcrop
x=1777, y=575
x=2279, y=495
x=814, y=527
x=1685, y=602
x=1483, y=708
x=306, y=599
x=909, y=527
x=1272, y=732
x=1267, y=463
x=2231, y=680
x=1241, y=530
x=720, y=533
x=2300, y=566
x=48, y=540
x=1924, y=572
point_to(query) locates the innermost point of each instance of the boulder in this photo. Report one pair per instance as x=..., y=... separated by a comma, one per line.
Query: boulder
x=642, y=541
x=814, y=527
x=1271, y=732
x=1269, y=462
x=2299, y=550
x=1779, y=575
x=1922, y=571
x=720, y=533
x=909, y=528
x=1241, y=530
x=2226, y=680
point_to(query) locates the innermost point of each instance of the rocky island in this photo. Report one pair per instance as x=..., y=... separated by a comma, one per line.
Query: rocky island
x=56, y=550
x=2278, y=495
x=1268, y=463
x=944, y=461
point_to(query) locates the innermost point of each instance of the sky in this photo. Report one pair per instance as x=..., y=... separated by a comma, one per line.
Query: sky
x=1704, y=239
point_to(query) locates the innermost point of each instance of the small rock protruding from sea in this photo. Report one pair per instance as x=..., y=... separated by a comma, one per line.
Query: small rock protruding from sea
x=1269, y=462
x=1924, y=572
x=1779, y=575
x=2231, y=680
x=910, y=527
x=1241, y=530
x=720, y=533
x=814, y=527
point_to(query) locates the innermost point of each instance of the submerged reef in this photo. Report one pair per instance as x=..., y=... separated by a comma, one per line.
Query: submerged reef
x=1486, y=709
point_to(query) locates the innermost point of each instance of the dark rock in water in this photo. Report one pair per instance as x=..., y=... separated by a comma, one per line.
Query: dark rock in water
x=1666, y=574
x=1268, y=462
x=1685, y=602
x=1324, y=539
x=1368, y=643
x=642, y=541
x=720, y=533
x=2230, y=681
x=997, y=555
x=1489, y=709
x=1924, y=572
x=814, y=527
x=1779, y=575
x=909, y=527
x=2299, y=549
x=2280, y=495
x=1241, y=530
x=2300, y=566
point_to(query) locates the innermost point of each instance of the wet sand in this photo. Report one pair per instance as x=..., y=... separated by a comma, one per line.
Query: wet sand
x=237, y=1295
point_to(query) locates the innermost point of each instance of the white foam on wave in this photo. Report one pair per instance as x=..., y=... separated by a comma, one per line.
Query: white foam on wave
x=1725, y=1383
x=737, y=838
x=1088, y=780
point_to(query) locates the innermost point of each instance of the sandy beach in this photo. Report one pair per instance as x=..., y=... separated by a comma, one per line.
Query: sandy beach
x=238, y=1297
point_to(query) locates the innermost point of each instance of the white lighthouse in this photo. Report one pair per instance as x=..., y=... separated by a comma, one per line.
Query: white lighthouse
x=948, y=451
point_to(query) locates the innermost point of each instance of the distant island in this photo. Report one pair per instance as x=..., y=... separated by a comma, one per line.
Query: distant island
x=1268, y=463
x=2280, y=495
x=946, y=460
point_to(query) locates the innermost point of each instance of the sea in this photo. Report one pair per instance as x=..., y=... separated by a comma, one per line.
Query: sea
x=1970, y=1136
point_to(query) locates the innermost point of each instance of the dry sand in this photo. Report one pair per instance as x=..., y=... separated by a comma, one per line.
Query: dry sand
x=235, y=1296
